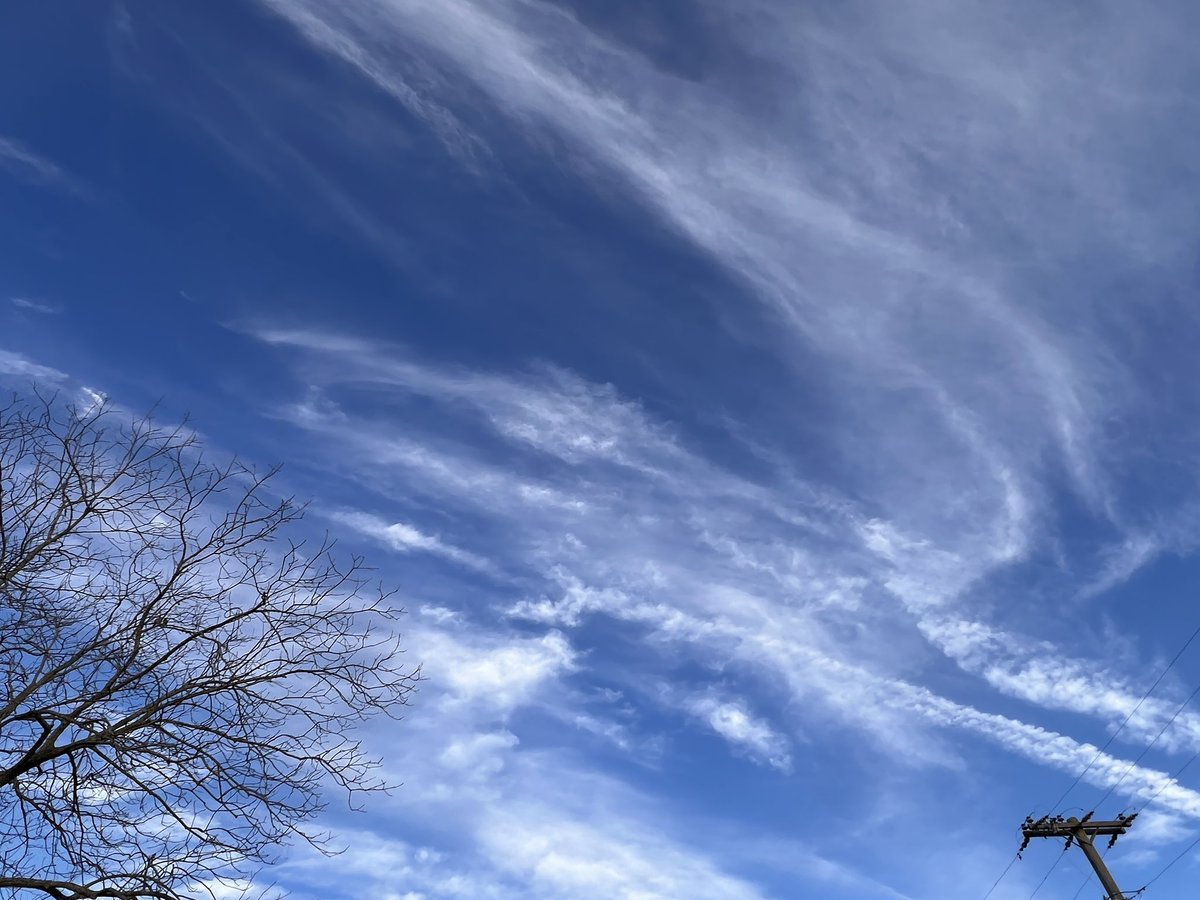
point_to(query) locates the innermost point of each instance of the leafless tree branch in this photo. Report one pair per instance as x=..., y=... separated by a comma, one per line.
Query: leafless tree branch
x=181, y=681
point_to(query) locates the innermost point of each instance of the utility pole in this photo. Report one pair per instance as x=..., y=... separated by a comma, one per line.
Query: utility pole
x=1082, y=832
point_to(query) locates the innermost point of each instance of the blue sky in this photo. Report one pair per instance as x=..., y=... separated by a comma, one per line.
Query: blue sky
x=779, y=418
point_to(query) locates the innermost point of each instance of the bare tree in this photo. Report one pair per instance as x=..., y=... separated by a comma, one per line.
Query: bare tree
x=180, y=681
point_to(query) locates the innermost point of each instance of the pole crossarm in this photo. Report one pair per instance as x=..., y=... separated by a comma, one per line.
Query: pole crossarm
x=1060, y=827
x=1082, y=832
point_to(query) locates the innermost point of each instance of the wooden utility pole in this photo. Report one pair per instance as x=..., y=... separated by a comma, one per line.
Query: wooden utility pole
x=1082, y=832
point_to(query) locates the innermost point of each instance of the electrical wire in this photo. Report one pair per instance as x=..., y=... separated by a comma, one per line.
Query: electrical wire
x=1012, y=862
x=1087, y=879
x=995, y=884
x=1112, y=737
x=1172, y=779
x=1079, y=890
x=1046, y=877
x=1163, y=871
x=1148, y=747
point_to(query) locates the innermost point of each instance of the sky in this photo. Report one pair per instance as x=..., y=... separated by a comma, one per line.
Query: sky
x=778, y=419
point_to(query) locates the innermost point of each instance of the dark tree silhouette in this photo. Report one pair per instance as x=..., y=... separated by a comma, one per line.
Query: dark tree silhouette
x=180, y=681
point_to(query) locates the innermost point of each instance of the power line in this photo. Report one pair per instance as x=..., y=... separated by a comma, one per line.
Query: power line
x=1186, y=850
x=1046, y=877
x=1132, y=713
x=1012, y=862
x=1171, y=780
x=1087, y=879
x=1148, y=747
x=1100, y=752
x=995, y=884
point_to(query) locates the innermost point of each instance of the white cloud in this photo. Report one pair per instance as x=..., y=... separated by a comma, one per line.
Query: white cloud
x=389, y=868
x=574, y=601
x=690, y=578
x=623, y=860
x=34, y=168
x=524, y=821
x=235, y=889
x=1041, y=674
x=968, y=390
x=405, y=465
x=16, y=157
x=478, y=754
x=491, y=672
x=687, y=156
x=89, y=400
x=890, y=708
x=746, y=732
x=406, y=538
x=1118, y=563
x=15, y=364
x=550, y=410
x=35, y=306
x=977, y=453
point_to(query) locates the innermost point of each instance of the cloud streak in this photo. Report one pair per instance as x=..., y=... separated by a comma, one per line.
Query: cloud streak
x=16, y=364
x=405, y=538
x=712, y=590
x=34, y=306
x=23, y=163
x=952, y=234
x=677, y=150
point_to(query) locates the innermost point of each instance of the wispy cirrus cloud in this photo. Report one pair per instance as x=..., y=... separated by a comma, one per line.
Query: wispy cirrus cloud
x=962, y=493
x=572, y=420
x=24, y=163
x=667, y=143
x=406, y=539
x=21, y=366
x=517, y=820
x=1043, y=675
x=876, y=245
x=698, y=578
x=912, y=197
x=34, y=306
x=735, y=723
